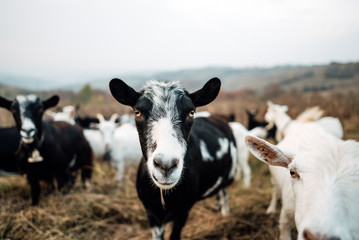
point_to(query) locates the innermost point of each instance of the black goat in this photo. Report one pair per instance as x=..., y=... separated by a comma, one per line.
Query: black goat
x=48, y=149
x=184, y=159
x=10, y=142
x=253, y=123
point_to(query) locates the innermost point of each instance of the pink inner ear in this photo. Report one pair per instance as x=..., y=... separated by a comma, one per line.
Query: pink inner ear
x=266, y=152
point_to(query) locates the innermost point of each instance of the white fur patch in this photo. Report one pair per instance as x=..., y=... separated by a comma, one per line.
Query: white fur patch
x=107, y=128
x=203, y=114
x=210, y=190
x=157, y=232
x=27, y=124
x=223, y=201
x=224, y=145
x=164, y=137
x=206, y=156
x=73, y=162
x=169, y=147
x=234, y=160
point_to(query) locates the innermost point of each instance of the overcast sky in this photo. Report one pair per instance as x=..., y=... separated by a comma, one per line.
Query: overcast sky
x=68, y=38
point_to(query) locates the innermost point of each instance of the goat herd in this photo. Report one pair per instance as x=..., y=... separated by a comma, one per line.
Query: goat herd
x=184, y=156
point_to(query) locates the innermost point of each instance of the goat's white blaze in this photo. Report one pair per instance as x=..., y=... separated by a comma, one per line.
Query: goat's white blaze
x=206, y=156
x=28, y=129
x=169, y=145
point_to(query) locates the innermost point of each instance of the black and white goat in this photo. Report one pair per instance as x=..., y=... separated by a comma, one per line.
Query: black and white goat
x=48, y=149
x=10, y=141
x=270, y=129
x=184, y=159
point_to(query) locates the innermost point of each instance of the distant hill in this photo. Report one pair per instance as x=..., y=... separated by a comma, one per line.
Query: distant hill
x=300, y=78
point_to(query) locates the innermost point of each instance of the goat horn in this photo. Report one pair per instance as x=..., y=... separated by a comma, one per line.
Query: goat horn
x=114, y=117
x=100, y=117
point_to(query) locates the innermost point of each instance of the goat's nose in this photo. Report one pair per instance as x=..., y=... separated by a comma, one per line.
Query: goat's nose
x=165, y=166
x=307, y=235
x=28, y=132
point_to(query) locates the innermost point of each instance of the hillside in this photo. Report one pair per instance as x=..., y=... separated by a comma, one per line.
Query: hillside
x=301, y=78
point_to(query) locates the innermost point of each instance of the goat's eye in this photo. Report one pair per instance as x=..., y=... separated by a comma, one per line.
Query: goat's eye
x=191, y=114
x=294, y=174
x=138, y=113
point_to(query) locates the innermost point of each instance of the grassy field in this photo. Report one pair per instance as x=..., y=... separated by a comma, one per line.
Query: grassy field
x=111, y=210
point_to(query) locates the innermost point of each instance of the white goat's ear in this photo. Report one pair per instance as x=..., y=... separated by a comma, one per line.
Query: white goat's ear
x=285, y=108
x=72, y=114
x=267, y=152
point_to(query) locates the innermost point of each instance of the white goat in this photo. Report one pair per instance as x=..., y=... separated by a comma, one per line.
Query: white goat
x=100, y=136
x=107, y=128
x=276, y=114
x=286, y=126
x=239, y=133
x=125, y=148
x=317, y=176
x=93, y=136
x=310, y=114
x=97, y=144
x=67, y=114
x=121, y=142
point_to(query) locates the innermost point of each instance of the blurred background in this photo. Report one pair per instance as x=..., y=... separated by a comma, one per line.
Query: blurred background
x=48, y=45
x=261, y=48
x=299, y=53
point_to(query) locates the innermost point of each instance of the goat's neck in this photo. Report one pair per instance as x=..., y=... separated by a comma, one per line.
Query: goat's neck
x=282, y=122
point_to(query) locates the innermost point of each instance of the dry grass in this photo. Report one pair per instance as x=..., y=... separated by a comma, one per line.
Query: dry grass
x=110, y=210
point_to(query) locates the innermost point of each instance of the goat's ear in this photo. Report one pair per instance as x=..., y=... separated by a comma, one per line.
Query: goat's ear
x=269, y=103
x=207, y=93
x=267, y=153
x=51, y=102
x=252, y=113
x=123, y=93
x=5, y=103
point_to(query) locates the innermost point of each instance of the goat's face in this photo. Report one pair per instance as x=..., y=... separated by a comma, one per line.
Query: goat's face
x=324, y=176
x=164, y=117
x=27, y=112
x=107, y=129
x=274, y=111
